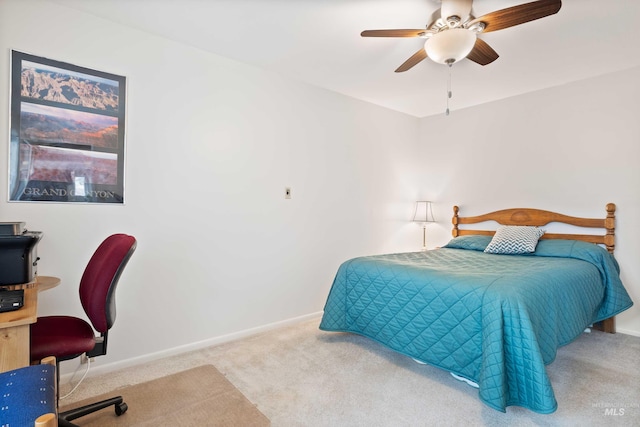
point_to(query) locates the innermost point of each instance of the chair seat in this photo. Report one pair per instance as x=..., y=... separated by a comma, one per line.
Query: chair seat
x=64, y=337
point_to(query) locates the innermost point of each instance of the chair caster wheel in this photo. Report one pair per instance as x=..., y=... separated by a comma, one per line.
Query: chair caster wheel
x=121, y=408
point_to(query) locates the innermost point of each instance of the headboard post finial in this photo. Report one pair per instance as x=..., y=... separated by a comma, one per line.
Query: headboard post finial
x=611, y=209
x=454, y=221
x=610, y=226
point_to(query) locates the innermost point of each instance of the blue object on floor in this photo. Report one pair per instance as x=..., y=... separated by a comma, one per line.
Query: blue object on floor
x=27, y=393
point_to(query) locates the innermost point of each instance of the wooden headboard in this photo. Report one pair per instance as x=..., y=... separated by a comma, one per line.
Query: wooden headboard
x=537, y=217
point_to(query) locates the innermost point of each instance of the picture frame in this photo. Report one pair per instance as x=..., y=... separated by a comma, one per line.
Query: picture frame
x=67, y=132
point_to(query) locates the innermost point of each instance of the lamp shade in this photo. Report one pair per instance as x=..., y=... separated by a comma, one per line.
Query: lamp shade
x=424, y=212
x=450, y=45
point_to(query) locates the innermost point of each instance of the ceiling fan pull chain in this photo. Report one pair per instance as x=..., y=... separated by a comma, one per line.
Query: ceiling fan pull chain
x=448, y=88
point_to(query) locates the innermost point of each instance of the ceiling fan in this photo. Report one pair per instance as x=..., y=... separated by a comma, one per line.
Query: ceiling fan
x=454, y=36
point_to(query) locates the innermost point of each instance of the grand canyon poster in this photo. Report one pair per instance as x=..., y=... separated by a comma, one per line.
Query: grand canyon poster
x=67, y=132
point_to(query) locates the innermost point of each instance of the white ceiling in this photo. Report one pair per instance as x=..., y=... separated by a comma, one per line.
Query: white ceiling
x=318, y=42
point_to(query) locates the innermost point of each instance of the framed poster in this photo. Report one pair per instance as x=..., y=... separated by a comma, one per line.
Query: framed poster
x=67, y=132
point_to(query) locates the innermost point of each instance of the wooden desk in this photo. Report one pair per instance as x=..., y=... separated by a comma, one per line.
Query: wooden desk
x=15, y=325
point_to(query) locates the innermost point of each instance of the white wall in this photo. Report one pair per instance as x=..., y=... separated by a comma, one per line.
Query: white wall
x=211, y=145
x=569, y=149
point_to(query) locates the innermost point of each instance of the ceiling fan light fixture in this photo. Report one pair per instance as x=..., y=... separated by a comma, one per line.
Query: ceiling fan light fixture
x=449, y=46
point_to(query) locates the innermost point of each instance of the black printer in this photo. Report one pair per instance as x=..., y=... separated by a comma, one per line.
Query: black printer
x=18, y=253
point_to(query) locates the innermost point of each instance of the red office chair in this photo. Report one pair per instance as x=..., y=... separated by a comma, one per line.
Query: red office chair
x=68, y=337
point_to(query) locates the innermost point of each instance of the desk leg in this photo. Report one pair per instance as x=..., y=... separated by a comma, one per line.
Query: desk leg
x=13, y=353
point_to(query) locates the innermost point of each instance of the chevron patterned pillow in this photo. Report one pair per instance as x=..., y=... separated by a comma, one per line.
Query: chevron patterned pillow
x=514, y=239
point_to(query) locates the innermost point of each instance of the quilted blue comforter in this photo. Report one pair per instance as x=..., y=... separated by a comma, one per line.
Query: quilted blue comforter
x=494, y=319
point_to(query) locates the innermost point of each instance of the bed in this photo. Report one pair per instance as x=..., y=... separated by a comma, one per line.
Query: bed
x=493, y=319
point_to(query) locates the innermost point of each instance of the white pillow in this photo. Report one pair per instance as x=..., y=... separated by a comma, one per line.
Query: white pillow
x=514, y=239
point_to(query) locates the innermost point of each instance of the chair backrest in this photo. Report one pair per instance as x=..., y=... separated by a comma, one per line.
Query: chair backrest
x=100, y=278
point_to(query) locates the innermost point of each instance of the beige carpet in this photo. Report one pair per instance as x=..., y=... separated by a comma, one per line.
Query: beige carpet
x=199, y=396
x=299, y=376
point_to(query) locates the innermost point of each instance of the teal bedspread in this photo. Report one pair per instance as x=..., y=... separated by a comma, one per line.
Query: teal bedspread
x=494, y=319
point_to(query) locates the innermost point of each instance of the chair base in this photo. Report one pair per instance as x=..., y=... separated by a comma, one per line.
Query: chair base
x=65, y=418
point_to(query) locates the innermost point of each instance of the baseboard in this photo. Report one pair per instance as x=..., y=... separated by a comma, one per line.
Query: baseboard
x=115, y=366
x=627, y=332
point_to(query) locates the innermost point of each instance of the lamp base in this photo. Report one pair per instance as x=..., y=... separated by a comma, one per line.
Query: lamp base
x=424, y=237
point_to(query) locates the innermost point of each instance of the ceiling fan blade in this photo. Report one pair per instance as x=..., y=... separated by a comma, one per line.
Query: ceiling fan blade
x=516, y=15
x=392, y=33
x=415, y=58
x=482, y=53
